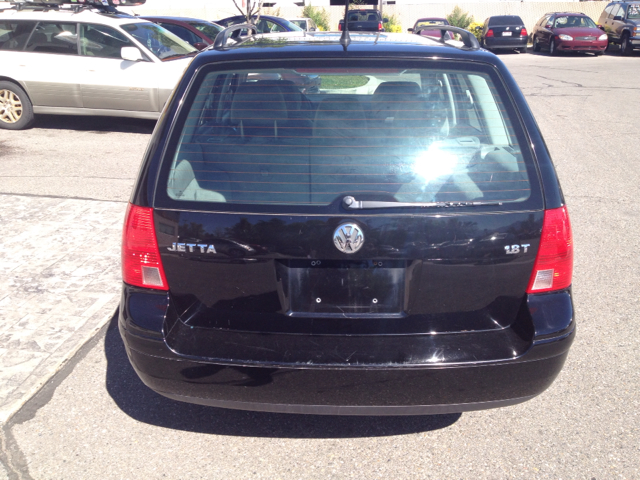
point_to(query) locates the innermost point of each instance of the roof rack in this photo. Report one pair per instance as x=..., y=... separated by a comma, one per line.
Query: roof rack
x=469, y=39
x=221, y=39
x=104, y=5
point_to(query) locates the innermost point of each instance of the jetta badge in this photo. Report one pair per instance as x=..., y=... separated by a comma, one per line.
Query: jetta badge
x=348, y=238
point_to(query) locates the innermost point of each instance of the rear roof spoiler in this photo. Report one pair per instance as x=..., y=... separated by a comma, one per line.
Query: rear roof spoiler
x=469, y=39
x=222, y=37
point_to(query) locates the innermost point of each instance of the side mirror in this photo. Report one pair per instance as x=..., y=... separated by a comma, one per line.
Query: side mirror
x=385, y=20
x=200, y=45
x=312, y=29
x=548, y=25
x=131, y=54
x=478, y=28
x=617, y=18
x=601, y=27
x=410, y=30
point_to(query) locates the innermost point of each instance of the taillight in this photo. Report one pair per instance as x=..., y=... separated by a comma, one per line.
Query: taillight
x=380, y=26
x=489, y=33
x=553, y=269
x=523, y=32
x=141, y=263
x=339, y=27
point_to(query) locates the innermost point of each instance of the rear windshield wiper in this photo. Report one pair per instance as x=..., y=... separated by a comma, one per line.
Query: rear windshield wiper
x=353, y=204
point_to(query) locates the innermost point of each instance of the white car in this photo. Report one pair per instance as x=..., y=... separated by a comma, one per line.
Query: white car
x=89, y=60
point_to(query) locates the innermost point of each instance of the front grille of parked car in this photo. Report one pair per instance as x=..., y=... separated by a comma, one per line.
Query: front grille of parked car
x=586, y=38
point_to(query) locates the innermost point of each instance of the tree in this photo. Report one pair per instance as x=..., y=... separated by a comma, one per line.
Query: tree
x=251, y=8
x=320, y=17
x=460, y=18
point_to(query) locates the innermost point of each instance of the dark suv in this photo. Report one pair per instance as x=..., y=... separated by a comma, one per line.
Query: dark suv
x=364, y=21
x=621, y=23
x=394, y=242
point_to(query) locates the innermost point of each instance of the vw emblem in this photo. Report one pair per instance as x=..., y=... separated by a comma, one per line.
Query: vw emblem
x=348, y=238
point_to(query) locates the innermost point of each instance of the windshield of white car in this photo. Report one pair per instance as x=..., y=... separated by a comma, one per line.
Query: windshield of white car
x=162, y=43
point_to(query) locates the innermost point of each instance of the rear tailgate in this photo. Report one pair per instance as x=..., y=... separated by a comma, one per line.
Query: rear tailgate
x=256, y=236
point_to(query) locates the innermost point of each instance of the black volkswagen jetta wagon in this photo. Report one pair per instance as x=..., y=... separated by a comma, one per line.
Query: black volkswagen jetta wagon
x=394, y=242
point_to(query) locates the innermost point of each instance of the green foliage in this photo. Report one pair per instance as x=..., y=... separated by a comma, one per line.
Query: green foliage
x=393, y=25
x=319, y=16
x=460, y=18
x=472, y=29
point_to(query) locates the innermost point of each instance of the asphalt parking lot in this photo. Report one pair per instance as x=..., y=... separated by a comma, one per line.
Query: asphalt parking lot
x=94, y=418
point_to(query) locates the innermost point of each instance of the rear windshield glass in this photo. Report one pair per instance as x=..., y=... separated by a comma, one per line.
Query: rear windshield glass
x=505, y=20
x=315, y=135
x=364, y=16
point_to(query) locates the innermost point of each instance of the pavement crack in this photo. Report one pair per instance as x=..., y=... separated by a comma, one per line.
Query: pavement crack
x=573, y=84
x=11, y=457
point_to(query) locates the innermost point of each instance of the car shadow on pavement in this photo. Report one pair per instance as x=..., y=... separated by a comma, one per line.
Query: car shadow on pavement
x=94, y=124
x=141, y=403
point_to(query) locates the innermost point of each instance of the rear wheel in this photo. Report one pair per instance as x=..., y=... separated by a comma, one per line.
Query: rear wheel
x=536, y=44
x=625, y=45
x=552, y=48
x=16, y=111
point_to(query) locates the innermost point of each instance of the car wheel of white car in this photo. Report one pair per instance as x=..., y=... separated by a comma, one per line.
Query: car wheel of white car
x=16, y=111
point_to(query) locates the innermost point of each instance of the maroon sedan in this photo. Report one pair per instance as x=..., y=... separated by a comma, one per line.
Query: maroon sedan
x=429, y=27
x=568, y=32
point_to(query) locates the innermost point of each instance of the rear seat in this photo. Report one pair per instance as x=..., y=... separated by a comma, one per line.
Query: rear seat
x=346, y=157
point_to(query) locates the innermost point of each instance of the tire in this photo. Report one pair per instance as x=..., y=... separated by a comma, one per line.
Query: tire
x=536, y=44
x=552, y=48
x=523, y=50
x=598, y=54
x=625, y=45
x=16, y=111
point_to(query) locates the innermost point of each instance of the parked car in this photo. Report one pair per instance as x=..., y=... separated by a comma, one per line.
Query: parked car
x=568, y=32
x=401, y=251
x=266, y=24
x=84, y=62
x=306, y=24
x=504, y=32
x=364, y=21
x=621, y=23
x=197, y=33
x=427, y=27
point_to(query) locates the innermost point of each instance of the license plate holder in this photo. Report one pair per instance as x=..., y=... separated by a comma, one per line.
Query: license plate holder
x=339, y=288
x=507, y=34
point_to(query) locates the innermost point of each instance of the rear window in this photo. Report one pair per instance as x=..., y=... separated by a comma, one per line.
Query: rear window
x=505, y=20
x=311, y=136
x=14, y=35
x=364, y=16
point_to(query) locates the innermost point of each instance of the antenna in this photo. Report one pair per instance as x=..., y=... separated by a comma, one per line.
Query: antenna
x=345, y=39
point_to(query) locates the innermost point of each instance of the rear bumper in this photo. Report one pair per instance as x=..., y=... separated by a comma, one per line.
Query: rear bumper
x=505, y=42
x=400, y=388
